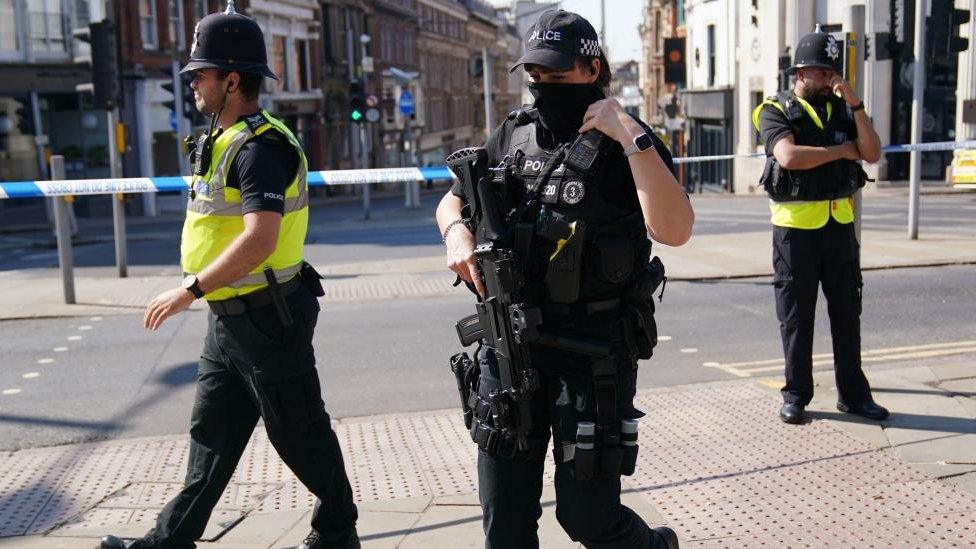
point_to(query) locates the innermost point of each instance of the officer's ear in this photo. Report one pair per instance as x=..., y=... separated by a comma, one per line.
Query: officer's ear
x=233, y=82
x=594, y=69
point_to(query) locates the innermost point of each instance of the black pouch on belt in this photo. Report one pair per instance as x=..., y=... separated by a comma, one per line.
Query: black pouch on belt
x=312, y=279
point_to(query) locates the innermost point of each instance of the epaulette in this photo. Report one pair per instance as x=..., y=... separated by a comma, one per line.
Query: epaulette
x=255, y=121
x=523, y=115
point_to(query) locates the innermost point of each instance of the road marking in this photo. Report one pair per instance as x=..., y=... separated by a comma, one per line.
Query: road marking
x=31, y=375
x=95, y=319
x=11, y=391
x=664, y=338
x=83, y=328
x=74, y=338
x=60, y=349
x=928, y=350
x=45, y=361
x=689, y=350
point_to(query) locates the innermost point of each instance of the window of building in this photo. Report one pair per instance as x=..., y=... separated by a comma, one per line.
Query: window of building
x=175, y=28
x=711, y=55
x=279, y=59
x=757, y=98
x=147, y=24
x=302, y=68
x=680, y=9
x=8, y=26
x=46, y=23
x=200, y=9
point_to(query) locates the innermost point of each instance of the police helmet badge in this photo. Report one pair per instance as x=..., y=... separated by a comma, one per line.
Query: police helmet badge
x=573, y=192
x=832, y=48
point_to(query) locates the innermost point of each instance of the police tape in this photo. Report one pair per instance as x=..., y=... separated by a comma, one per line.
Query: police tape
x=73, y=187
x=921, y=147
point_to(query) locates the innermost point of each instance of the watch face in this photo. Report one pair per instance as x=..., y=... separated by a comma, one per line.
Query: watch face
x=189, y=281
x=644, y=142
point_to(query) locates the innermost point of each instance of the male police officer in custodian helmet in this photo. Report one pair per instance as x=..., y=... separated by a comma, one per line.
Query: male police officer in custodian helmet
x=814, y=136
x=242, y=252
x=554, y=240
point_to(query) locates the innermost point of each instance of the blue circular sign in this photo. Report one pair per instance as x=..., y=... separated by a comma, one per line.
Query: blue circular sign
x=406, y=103
x=172, y=121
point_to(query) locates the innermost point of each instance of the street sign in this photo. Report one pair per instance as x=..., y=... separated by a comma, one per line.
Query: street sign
x=172, y=121
x=372, y=100
x=406, y=103
x=372, y=114
x=367, y=64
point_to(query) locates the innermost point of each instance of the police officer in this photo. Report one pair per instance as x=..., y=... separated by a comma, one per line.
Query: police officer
x=814, y=137
x=242, y=251
x=633, y=193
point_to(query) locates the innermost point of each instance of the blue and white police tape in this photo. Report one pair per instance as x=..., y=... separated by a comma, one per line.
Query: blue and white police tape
x=33, y=189
x=921, y=147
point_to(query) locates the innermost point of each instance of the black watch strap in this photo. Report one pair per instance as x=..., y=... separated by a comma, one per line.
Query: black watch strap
x=858, y=107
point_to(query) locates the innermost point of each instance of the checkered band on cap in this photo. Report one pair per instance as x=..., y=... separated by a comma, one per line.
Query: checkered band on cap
x=589, y=47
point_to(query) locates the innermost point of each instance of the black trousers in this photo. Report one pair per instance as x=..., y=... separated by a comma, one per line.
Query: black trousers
x=510, y=489
x=252, y=367
x=802, y=259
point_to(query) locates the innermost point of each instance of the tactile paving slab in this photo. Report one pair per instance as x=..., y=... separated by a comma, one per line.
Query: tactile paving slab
x=714, y=460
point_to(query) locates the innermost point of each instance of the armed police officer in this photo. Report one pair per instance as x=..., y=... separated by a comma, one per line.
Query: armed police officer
x=814, y=137
x=549, y=225
x=242, y=251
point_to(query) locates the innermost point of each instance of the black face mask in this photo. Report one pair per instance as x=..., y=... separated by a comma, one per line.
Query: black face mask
x=562, y=106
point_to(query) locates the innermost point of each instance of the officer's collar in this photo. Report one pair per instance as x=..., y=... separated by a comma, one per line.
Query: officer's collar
x=254, y=120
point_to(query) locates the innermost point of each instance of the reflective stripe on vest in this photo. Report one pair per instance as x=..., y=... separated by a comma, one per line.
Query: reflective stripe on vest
x=214, y=217
x=806, y=215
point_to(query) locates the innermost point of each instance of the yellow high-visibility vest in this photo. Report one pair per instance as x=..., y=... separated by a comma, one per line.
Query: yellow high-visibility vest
x=214, y=215
x=806, y=214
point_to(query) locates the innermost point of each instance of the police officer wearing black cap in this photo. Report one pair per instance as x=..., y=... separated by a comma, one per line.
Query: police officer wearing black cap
x=814, y=137
x=242, y=250
x=583, y=252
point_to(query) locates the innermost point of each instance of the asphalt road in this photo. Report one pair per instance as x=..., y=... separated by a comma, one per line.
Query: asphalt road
x=71, y=379
x=338, y=234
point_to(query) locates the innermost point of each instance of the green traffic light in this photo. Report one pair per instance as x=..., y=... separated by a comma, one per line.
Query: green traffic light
x=357, y=116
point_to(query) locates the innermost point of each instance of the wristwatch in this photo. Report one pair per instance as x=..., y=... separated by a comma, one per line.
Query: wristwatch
x=192, y=285
x=641, y=143
x=858, y=107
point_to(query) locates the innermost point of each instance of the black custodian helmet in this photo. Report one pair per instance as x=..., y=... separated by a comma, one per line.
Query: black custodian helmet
x=229, y=41
x=819, y=50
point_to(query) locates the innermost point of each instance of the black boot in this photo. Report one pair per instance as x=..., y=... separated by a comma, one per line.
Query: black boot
x=315, y=540
x=667, y=535
x=113, y=542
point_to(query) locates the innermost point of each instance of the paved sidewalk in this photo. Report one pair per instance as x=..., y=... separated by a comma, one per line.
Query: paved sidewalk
x=715, y=464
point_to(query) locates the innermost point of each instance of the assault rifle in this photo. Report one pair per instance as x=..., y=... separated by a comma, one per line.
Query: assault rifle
x=504, y=320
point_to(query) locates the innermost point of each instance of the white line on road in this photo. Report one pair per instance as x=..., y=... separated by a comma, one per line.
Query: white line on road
x=31, y=375
x=74, y=338
x=45, y=361
x=60, y=349
x=664, y=338
x=83, y=328
x=928, y=350
x=689, y=350
x=11, y=391
x=95, y=319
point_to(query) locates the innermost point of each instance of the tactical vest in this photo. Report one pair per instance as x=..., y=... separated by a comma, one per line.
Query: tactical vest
x=214, y=216
x=830, y=181
x=611, y=239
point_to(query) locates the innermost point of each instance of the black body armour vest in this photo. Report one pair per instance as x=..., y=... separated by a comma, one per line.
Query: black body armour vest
x=609, y=246
x=837, y=179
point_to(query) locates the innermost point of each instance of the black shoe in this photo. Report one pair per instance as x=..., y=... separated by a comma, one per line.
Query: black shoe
x=791, y=413
x=869, y=409
x=315, y=540
x=668, y=535
x=113, y=542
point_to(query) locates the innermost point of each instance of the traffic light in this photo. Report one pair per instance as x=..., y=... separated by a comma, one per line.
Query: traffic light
x=943, y=31
x=357, y=102
x=25, y=117
x=674, y=61
x=104, y=62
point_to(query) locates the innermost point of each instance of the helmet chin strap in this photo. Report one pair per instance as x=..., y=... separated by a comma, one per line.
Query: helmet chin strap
x=216, y=115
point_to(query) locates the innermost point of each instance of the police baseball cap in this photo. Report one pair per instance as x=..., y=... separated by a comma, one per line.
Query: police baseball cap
x=557, y=39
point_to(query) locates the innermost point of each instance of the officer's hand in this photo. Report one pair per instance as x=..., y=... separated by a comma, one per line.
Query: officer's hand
x=166, y=305
x=843, y=89
x=460, y=257
x=850, y=151
x=607, y=116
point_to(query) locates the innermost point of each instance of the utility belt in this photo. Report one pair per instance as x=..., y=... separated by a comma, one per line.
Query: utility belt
x=830, y=181
x=273, y=294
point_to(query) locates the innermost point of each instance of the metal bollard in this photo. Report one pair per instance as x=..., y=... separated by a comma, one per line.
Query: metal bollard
x=62, y=228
